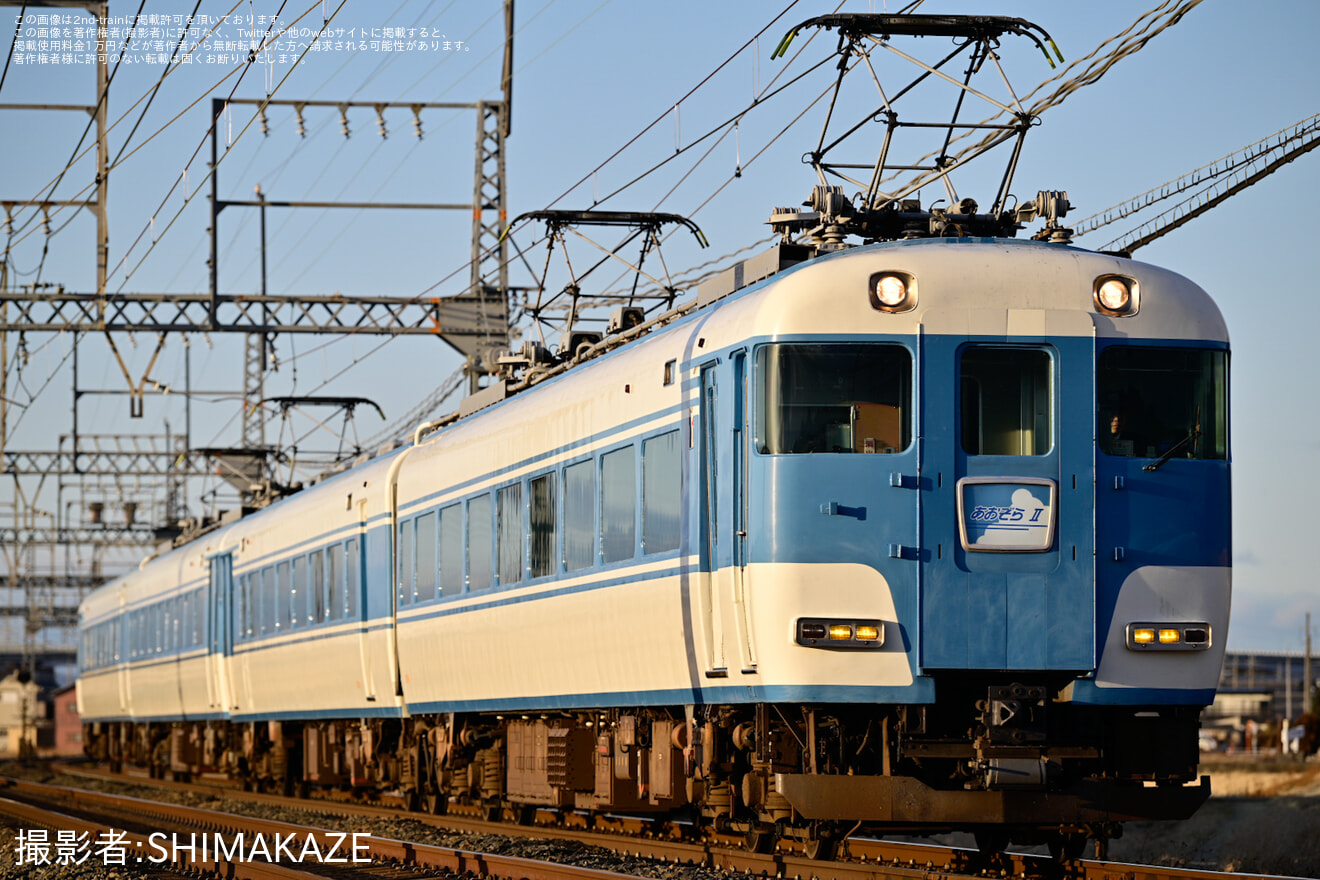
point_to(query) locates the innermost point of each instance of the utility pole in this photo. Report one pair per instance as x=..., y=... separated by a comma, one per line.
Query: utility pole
x=1308, y=685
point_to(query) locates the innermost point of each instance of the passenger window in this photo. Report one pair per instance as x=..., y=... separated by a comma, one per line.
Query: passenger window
x=426, y=563
x=298, y=594
x=579, y=515
x=508, y=512
x=334, y=560
x=661, y=493
x=1006, y=401
x=352, y=562
x=268, y=599
x=407, y=562
x=451, y=550
x=542, y=514
x=618, y=505
x=283, y=597
x=479, y=543
x=316, y=588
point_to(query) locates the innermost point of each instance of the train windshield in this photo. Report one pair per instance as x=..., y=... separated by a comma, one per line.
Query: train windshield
x=840, y=398
x=1157, y=401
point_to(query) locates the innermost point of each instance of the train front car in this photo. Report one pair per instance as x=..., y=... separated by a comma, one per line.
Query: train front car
x=978, y=506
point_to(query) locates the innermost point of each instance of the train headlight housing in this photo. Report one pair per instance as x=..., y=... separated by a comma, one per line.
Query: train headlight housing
x=1168, y=636
x=892, y=292
x=1116, y=295
x=834, y=632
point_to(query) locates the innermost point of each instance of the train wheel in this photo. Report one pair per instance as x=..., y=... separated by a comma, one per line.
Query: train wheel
x=435, y=803
x=760, y=838
x=1067, y=847
x=525, y=814
x=821, y=843
x=991, y=843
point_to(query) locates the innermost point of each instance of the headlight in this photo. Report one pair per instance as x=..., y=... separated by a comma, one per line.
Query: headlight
x=1168, y=636
x=828, y=632
x=892, y=292
x=1116, y=295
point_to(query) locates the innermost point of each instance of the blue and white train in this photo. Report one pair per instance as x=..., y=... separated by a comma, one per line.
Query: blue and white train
x=919, y=535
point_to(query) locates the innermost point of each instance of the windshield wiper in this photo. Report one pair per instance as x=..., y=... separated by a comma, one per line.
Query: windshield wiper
x=1191, y=436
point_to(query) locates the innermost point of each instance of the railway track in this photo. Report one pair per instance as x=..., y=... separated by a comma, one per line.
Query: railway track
x=640, y=848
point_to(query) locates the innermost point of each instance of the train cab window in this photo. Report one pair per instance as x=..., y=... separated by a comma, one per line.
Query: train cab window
x=1157, y=401
x=542, y=522
x=352, y=563
x=334, y=578
x=451, y=550
x=479, y=543
x=661, y=493
x=579, y=515
x=407, y=561
x=618, y=505
x=426, y=561
x=315, y=587
x=1006, y=401
x=509, y=534
x=833, y=398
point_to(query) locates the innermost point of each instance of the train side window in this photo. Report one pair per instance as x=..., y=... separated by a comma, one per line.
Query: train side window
x=240, y=607
x=352, y=564
x=407, y=561
x=618, y=505
x=451, y=550
x=298, y=591
x=426, y=561
x=283, y=589
x=479, y=543
x=542, y=523
x=316, y=588
x=662, y=493
x=268, y=603
x=1006, y=401
x=833, y=398
x=579, y=515
x=334, y=564
x=509, y=533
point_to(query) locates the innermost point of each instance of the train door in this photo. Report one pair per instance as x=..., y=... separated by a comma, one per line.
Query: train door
x=723, y=502
x=1008, y=563
x=220, y=632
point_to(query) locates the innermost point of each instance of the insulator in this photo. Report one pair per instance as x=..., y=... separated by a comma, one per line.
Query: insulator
x=343, y=119
x=265, y=128
x=380, y=121
x=298, y=111
x=417, y=120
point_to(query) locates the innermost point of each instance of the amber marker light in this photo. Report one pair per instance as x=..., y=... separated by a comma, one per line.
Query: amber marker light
x=867, y=633
x=840, y=632
x=1143, y=636
x=1170, y=637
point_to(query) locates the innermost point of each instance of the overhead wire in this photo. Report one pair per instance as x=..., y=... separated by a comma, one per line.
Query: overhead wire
x=49, y=187
x=211, y=170
x=18, y=28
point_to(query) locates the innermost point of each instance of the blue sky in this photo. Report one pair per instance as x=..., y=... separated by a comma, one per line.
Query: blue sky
x=592, y=75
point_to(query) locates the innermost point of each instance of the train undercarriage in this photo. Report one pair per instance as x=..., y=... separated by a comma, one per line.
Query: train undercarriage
x=1002, y=760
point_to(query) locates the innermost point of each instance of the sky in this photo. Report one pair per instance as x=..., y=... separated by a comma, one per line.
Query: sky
x=602, y=93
